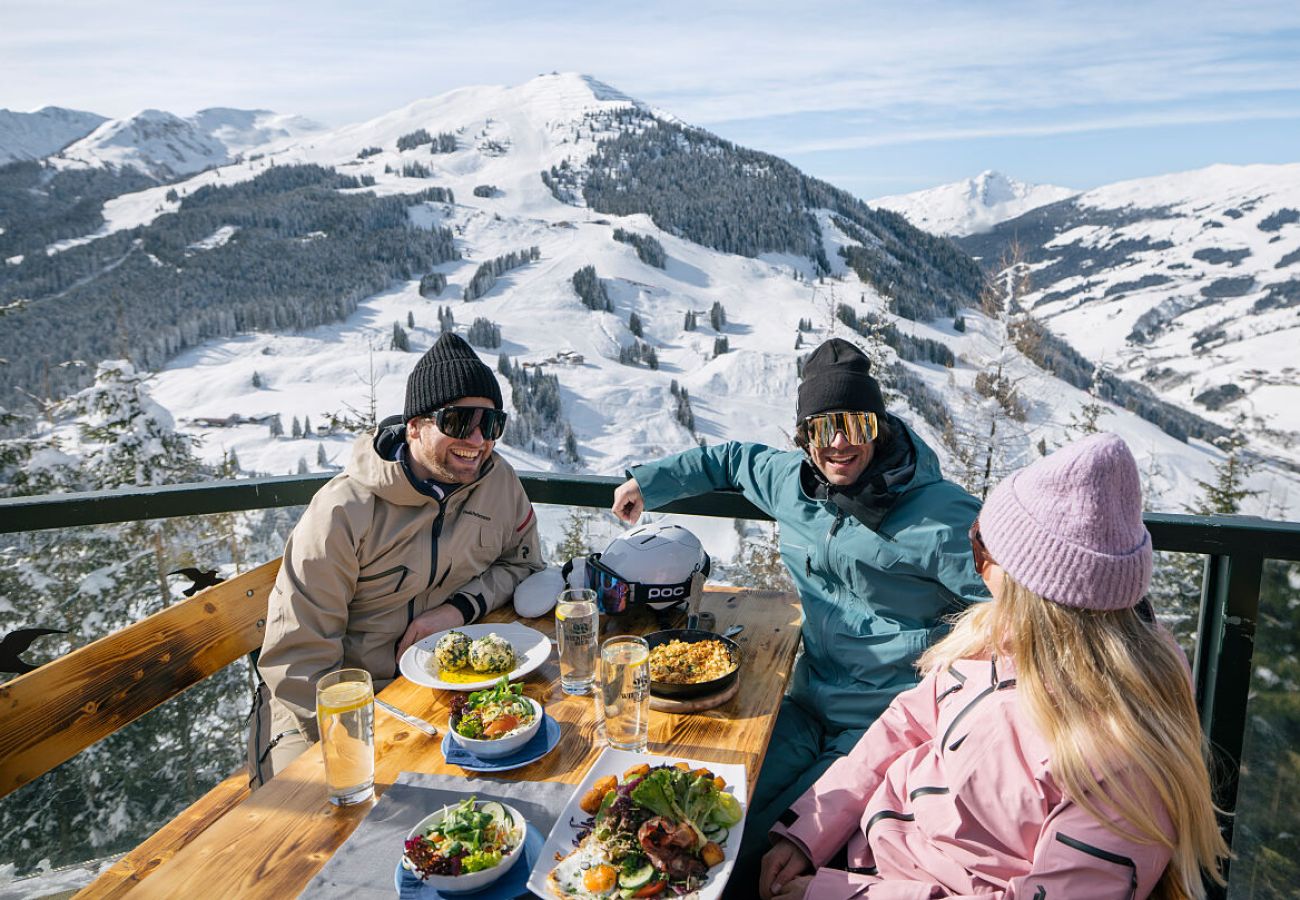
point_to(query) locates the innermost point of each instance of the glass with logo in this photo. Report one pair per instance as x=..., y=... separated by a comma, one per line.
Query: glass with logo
x=625, y=692
x=576, y=629
x=345, y=712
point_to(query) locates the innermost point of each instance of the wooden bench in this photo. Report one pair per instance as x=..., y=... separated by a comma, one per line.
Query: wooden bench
x=54, y=712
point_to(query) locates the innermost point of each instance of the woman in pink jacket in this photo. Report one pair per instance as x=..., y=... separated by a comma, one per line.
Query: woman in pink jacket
x=1053, y=750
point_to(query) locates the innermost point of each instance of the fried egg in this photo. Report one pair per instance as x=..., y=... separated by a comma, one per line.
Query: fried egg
x=584, y=874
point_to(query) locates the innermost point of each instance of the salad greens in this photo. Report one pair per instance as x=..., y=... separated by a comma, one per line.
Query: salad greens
x=493, y=712
x=470, y=838
x=689, y=799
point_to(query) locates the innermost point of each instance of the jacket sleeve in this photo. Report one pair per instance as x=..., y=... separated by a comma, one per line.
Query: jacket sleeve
x=822, y=820
x=952, y=563
x=732, y=466
x=520, y=557
x=1075, y=856
x=307, y=613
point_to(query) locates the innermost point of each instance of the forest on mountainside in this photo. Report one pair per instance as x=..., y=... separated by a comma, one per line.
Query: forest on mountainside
x=300, y=253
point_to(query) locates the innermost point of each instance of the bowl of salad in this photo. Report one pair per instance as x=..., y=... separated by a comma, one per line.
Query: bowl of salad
x=496, y=721
x=465, y=847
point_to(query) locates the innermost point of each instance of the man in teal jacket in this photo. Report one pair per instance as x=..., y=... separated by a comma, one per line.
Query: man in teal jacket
x=876, y=541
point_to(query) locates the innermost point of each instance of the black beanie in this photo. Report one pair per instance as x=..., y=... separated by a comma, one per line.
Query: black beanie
x=837, y=375
x=449, y=371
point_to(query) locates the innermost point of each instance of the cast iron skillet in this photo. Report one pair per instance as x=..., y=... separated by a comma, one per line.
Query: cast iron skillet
x=702, y=688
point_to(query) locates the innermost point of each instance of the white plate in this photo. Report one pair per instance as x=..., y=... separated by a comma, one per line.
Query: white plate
x=532, y=648
x=616, y=762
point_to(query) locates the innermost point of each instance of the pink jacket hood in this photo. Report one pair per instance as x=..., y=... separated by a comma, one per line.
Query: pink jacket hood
x=950, y=794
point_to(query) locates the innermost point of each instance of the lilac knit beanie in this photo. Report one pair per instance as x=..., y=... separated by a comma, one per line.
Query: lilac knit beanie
x=1069, y=527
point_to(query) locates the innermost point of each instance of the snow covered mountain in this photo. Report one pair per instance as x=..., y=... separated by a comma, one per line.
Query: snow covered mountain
x=166, y=146
x=973, y=205
x=712, y=270
x=33, y=135
x=1188, y=283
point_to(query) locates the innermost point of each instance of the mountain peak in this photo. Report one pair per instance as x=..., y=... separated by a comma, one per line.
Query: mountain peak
x=973, y=205
x=37, y=134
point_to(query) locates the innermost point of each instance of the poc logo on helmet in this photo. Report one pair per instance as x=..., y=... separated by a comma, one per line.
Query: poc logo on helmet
x=656, y=593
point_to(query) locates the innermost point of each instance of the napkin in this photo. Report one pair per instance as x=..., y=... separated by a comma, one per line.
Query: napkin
x=363, y=867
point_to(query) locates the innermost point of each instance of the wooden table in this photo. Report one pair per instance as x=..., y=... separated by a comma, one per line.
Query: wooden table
x=275, y=840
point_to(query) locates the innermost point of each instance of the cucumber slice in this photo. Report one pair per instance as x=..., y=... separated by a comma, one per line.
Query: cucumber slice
x=717, y=834
x=638, y=878
x=497, y=811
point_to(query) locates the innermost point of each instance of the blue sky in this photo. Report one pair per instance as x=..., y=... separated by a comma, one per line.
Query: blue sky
x=878, y=98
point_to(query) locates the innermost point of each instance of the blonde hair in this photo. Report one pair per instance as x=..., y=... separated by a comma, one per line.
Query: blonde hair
x=1111, y=695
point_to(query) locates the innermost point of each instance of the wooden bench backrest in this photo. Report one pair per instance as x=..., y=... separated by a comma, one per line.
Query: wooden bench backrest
x=53, y=713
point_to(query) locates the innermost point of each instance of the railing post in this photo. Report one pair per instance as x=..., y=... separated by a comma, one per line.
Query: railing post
x=1224, y=664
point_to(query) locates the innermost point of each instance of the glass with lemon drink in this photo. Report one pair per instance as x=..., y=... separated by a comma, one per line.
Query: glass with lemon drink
x=345, y=711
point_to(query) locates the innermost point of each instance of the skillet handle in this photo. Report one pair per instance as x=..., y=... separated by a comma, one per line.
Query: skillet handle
x=693, y=602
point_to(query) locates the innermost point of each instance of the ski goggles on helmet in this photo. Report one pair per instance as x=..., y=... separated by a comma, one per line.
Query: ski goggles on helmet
x=459, y=422
x=614, y=593
x=819, y=430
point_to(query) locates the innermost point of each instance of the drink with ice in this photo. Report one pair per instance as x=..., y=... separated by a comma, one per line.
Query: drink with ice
x=625, y=692
x=345, y=712
x=576, y=629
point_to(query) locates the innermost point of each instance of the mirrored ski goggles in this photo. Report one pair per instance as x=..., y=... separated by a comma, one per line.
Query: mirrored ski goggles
x=459, y=422
x=820, y=430
x=614, y=593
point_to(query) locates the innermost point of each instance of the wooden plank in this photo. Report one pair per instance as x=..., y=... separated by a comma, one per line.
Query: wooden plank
x=60, y=709
x=128, y=871
x=276, y=840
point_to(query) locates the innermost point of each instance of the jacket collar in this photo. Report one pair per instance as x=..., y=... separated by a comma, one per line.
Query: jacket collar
x=901, y=468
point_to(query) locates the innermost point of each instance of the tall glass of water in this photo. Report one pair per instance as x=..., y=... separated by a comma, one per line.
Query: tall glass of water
x=625, y=691
x=345, y=711
x=576, y=629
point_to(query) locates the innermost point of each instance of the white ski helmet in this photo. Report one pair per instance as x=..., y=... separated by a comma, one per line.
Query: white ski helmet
x=659, y=559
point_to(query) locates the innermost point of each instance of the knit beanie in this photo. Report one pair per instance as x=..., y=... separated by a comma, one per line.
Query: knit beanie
x=449, y=371
x=1069, y=527
x=837, y=375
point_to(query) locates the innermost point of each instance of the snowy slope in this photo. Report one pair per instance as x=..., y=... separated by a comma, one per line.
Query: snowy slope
x=973, y=205
x=1189, y=283
x=167, y=146
x=33, y=135
x=620, y=414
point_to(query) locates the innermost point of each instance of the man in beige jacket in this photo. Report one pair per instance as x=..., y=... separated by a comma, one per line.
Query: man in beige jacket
x=425, y=529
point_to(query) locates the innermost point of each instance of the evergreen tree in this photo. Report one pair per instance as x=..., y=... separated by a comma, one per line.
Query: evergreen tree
x=571, y=447
x=575, y=543
x=484, y=333
x=410, y=319
x=276, y=427
x=295, y=430
x=720, y=345
x=689, y=323
x=634, y=324
x=230, y=464
x=257, y=380
x=302, y=466
x=321, y=459
x=717, y=316
x=400, y=340
x=306, y=426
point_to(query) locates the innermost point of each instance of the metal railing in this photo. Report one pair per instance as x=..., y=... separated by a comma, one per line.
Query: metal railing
x=1235, y=548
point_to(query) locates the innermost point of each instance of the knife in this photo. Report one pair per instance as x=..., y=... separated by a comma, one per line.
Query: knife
x=414, y=721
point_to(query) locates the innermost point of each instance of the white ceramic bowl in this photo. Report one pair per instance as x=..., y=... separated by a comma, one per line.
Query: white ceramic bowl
x=499, y=747
x=473, y=881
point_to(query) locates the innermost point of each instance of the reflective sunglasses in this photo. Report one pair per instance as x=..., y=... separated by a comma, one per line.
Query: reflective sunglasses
x=978, y=551
x=820, y=429
x=460, y=421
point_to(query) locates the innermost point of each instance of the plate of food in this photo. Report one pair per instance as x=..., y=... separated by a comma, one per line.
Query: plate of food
x=465, y=846
x=645, y=826
x=473, y=657
x=689, y=662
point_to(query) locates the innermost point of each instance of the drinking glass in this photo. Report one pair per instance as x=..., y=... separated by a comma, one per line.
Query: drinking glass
x=625, y=692
x=576, y=629
x=345, y=711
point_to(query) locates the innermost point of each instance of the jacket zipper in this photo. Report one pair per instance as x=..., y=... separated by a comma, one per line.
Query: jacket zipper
x=403, y=569
x=826, y=567
x=998, y=686
x=1106, y=855
x=436, y=531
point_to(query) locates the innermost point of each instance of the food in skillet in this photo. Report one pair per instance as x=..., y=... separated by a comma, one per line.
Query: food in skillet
x=679, y=662
x=655, y=832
